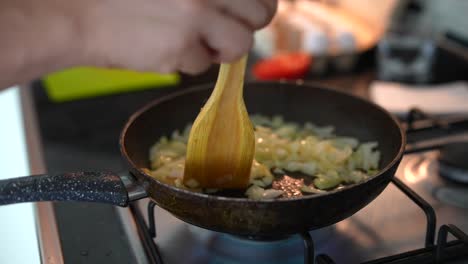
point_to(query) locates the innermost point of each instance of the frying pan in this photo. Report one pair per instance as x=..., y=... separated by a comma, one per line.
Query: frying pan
x=296, y=102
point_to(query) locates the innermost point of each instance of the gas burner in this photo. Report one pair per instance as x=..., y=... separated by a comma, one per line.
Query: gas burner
x=453, y=162
x=225, y=248
x=424, y=173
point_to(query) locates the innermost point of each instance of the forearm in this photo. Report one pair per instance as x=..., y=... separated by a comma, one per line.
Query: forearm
x=36, y=38
x=41, y=36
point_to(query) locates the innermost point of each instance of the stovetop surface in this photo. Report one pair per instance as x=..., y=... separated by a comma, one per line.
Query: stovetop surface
x=83, y=135
x=391, y=224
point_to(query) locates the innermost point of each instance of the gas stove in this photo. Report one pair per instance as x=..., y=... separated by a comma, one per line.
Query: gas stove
x=428, y=196
x=407, y=223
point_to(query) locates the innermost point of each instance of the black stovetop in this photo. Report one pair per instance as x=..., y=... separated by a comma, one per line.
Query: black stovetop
x=83, y=135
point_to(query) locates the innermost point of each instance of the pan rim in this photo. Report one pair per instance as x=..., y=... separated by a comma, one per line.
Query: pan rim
x=208, y=197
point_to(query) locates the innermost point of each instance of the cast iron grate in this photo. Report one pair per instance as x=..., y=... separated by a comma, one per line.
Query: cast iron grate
x=416, y=122
x=431, y=253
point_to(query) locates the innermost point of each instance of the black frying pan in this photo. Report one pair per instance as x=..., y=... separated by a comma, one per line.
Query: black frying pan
x=350, y=115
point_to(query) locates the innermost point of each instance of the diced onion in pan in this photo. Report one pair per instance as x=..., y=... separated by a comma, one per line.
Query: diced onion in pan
x=258, y=193
x=281, y=147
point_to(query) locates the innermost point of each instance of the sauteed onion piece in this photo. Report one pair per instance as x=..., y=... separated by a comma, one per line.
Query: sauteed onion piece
x=326, y=160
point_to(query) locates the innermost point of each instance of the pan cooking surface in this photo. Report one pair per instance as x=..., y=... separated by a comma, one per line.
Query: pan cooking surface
x=321, y=159
x=290, y=183
x=352, y=116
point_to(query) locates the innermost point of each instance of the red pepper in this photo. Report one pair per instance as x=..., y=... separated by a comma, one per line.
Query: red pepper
x=283, y=66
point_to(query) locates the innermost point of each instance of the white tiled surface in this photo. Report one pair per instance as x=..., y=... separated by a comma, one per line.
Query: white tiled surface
x=447, y=98
x=18, y=238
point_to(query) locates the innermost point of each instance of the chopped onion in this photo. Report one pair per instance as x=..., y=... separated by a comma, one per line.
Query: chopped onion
x=258, y=193
x=311, y=189
x=192, y=183
x=278, y=171
x=281, y=146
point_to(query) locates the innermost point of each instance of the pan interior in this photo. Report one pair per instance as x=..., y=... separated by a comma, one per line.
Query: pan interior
x=298, y=103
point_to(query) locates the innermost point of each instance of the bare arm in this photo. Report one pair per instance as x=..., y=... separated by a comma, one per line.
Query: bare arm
x=36, y=37
x=41, y=36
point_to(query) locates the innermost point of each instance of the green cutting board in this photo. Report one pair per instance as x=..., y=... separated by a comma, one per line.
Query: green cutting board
x=86, y=82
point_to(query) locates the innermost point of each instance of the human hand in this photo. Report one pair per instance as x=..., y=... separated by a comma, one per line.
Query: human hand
x=169, y=35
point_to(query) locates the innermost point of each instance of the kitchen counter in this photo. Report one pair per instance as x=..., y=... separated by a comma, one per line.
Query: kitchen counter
x=83, y=135
x=18, y=238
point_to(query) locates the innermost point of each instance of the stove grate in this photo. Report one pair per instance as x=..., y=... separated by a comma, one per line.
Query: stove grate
x=416, y=122
x=430, y=253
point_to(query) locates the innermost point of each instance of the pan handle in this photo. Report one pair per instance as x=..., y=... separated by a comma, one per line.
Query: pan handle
x=102, y=187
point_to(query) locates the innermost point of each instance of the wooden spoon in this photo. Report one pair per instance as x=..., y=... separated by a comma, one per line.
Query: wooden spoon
x=221, y=143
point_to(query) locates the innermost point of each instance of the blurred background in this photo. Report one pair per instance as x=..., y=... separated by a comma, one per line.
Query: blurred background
x=417, y=42
x=400, y=54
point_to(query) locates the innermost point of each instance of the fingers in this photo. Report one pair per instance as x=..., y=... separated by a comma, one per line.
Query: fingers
x=271, y=7
x=255, y=14
x=229, y=29
x=227, y=37
x=175, y=35
x=196, y=59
